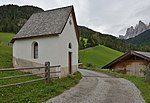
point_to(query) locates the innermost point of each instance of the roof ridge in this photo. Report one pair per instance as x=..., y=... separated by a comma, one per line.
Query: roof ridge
x=54, y=9
x=142, y=51
x=49, y=23
x=147, y=57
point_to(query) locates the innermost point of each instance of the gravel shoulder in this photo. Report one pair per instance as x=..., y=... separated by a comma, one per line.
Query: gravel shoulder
x=97, y=87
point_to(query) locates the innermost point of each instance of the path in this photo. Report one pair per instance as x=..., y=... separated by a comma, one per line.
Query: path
x=96, y=87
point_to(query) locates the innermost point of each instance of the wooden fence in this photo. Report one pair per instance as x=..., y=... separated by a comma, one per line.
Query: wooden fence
x=6, y=43
x=46, y=77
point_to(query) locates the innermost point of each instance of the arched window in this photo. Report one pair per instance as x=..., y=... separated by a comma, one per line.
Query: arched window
x=69, y=46
x=35, y=50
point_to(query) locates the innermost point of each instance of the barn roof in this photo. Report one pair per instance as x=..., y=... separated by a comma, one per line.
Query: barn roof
x=144, y=55
x=46, y=23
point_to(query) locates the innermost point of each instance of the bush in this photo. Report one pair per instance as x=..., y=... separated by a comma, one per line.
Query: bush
x=89, y=65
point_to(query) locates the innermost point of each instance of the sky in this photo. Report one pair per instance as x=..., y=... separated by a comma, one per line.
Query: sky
x=105, y=16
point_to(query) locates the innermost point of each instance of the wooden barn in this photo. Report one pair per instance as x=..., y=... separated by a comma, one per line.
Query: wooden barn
x=132, y=63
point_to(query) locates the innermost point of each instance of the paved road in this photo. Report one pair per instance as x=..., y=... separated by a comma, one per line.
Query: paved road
x=96, y=87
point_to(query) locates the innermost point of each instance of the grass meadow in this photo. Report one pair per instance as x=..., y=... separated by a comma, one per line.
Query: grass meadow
x=36, y=92
x=6, y=36
x=98, y=56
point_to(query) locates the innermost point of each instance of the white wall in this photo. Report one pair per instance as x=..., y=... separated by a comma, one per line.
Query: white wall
x=47, y=51
x=53, y=48
x=68, y=36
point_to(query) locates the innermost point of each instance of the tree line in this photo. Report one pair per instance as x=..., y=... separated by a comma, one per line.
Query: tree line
x=90, y=38
x=13, y=17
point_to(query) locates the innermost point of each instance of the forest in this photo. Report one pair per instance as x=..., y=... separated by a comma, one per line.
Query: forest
x=13, y=17
x=90, y=38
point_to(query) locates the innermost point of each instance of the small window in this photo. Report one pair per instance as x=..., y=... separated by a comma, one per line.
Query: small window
x=70, y=22
x=70, y=46
x=35, y=50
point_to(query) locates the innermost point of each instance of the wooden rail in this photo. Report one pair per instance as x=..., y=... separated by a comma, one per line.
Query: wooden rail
x=6, y=43
x=18, y=76
x=15, y=84
x=21, y=68
x=47, y=74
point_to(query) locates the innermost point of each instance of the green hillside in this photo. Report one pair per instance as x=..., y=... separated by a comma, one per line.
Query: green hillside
x=6, y=36
x=5, y=56
x=141, y=39
x=5, y=51
x=98, y=56
x=94, y=38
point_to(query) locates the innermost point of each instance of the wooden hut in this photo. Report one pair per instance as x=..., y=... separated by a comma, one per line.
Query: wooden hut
x=132, y=63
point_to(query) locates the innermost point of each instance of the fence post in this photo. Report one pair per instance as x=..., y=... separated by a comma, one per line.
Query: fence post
x=47, y=71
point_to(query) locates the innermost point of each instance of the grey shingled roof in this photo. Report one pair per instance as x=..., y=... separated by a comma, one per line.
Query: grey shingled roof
x=144, y=55
x=45, y=23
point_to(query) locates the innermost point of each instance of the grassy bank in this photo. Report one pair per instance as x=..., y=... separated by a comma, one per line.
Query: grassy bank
x=140, y=83
x=6, y=36
x=5, y=56
x=98, y=56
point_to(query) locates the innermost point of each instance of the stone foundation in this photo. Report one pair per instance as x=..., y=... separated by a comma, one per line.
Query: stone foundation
x=17, y=62
x=65, y=70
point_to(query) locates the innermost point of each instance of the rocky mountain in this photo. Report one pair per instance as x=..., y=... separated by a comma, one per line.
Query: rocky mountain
x=134, y=31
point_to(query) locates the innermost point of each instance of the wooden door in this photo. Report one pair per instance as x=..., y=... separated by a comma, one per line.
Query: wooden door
x=70, y=62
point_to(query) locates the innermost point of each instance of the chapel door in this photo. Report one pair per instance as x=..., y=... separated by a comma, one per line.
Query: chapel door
x=70, y=62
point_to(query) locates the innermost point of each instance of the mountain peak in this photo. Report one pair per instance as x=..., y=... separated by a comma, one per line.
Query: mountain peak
x=140, y=21
x=134, y=31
